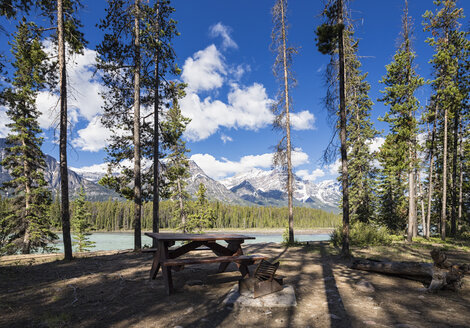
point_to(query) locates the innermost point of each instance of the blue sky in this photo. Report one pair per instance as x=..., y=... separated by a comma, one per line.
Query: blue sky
x=224, y=52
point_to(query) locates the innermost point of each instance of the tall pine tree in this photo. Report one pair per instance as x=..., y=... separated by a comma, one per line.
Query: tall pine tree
x=24, y=159
x=330, y=40
x=447, y=98
x=360, y=135
x=283, y=106
x=177, y=163
x=398, y=153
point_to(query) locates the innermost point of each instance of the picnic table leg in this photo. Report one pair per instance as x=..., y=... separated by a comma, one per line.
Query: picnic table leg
x=155, y=264
x=166, y=271
x=235, y=247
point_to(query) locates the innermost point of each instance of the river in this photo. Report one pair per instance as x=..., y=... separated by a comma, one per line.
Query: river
x=107, y=241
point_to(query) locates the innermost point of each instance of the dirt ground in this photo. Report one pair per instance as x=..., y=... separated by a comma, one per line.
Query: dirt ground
x=112, y=289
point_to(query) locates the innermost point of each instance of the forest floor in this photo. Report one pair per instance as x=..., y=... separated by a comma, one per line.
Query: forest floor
x=112, y=289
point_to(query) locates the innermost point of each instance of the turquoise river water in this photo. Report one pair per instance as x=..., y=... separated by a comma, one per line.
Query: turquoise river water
x=107, y=241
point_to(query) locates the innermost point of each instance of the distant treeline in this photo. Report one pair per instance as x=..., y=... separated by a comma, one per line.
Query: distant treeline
x=118, y=215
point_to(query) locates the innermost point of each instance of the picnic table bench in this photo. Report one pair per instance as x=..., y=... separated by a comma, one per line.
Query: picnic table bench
x=166, y=258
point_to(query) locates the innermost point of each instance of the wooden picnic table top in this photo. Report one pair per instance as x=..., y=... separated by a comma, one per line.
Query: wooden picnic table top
x=197, y=236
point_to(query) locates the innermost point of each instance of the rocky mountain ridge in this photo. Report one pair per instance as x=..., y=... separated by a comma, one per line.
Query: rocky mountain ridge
x=255, y=187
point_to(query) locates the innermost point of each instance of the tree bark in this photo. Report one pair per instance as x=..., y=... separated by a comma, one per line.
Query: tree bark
x=411, y=201
x=444, y=181
x=27, y=235
x=441, y=274
x=459, y=218
x=137, y=168
x=431, y=175
x=423, y=211
x=180, y=199
x=290, y=189
x=156, y=140
x=453, y=216
x=64, y=178
x=342, y=111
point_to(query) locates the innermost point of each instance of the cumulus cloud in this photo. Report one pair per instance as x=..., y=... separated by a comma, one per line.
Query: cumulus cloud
x=223, y=31
x=93, y=138
x=334, y=168
x=302, y=121
x=4, y=120
x=310, y=176
x=247, y=108
x=219, y=169
x=205, y=70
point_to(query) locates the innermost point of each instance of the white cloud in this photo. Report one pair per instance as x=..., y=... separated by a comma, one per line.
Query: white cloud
x=310, y=176
x=4, y=120
x=92, y=138
x=223, y=31
x=334, y=168
x=247, y=108
x=375, y=145
x=299, y=157
x=225, y=138
x=302, y=121
x=205, y=70
x=219, y=169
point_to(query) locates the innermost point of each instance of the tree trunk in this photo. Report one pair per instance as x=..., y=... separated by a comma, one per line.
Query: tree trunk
x=27, y=235
x=438, y=275
x=423, y=212
x=342, y=111
x=444, y=181
x=137, y=169
x=64, y=178
x=156, y=177
x=453, y=216
x=411, y=201
x=459, y=218
x=290, y=188
x=431, y=174
x=180, y=199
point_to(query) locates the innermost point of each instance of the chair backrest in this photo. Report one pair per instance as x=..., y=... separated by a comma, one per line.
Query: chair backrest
x=266, y=270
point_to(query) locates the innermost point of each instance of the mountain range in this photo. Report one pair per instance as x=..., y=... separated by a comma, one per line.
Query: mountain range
x=255, y=187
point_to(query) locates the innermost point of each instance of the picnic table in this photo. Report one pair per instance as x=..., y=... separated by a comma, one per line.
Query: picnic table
x=169, y=258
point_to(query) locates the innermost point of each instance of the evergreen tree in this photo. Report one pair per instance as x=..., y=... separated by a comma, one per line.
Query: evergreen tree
x=177, y=164
x=203, y=214
x=24, y=158
x=283, y=106
x=360, y=134
x=444, y=26
x=159, y=37
x=81, y=224
x=68, y=40
x=330, y=40
x=7, y=227
x=120, y=58
x=398, y=153
x=135, y=53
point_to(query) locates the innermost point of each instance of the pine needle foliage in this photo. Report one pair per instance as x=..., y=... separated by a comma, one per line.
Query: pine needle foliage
x=28, y=215
x=399, y=152
x=81, y=224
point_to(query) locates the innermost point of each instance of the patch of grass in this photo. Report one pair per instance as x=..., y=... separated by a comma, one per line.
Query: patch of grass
x=56, y=320
x=363, y=235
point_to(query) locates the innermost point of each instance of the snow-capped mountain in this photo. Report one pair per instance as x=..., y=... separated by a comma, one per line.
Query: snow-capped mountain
x=94, y=191
x=255, y=187
x=267, y=188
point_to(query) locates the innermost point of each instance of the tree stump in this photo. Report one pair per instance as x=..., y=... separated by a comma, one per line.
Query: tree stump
x=438, y=275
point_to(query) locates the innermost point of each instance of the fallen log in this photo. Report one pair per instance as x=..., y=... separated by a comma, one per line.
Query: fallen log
x=440, y=274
